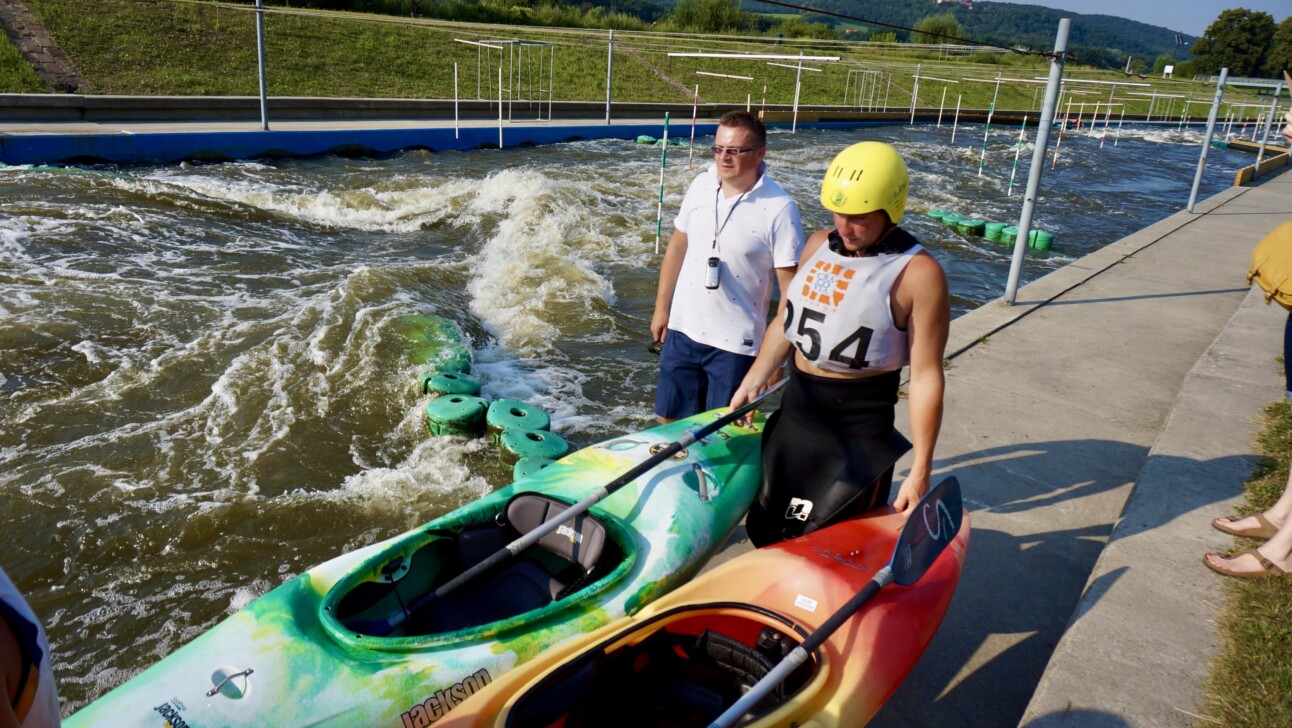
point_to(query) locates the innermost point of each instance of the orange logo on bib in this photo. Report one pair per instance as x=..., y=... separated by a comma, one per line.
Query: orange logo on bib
x=827, y=283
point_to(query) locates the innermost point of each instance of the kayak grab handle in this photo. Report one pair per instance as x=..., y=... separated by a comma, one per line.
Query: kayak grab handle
x=227, y=678
x=703, y=481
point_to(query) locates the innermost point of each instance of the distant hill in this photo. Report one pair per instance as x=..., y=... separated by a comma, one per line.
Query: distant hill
x=1102, y=39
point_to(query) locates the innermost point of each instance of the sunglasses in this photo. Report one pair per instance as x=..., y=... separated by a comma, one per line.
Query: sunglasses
x=732, y=151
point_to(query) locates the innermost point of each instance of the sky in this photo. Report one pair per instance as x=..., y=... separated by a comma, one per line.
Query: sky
x=1186, y=16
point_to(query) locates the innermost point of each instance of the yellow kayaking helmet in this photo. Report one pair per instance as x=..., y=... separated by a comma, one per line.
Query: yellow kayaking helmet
x=866, y=177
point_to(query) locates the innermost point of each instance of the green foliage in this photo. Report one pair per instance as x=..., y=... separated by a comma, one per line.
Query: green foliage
x=1159, y=65
x=938, y=29
x=1237, y=40
x=16, y=75
x=710, y=16
x=886, y=36
x=1013, y=24
x=1279, y=57
x=796, y=27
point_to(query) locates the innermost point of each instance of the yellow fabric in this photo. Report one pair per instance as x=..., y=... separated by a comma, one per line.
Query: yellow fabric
x=866, y=177
x=1272, y=266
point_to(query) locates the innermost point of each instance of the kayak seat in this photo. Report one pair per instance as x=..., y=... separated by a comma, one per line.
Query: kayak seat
x=579, y=542
x=558, y=564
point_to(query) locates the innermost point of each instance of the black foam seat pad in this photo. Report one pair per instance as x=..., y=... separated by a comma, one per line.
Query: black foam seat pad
x=521, y=587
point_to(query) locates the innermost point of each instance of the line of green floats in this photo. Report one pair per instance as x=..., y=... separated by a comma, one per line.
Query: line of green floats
x=1000, y=232
x=521, y=431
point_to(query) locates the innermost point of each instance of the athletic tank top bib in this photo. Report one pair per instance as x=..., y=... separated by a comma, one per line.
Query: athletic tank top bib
x=838, y=314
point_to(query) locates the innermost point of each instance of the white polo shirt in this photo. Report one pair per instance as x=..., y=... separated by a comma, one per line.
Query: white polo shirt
x=752, y=234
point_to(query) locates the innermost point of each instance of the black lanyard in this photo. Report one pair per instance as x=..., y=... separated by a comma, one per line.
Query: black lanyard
x=717, y=230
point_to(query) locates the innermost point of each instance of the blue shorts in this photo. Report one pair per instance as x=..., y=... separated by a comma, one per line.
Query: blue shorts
x=695, y=377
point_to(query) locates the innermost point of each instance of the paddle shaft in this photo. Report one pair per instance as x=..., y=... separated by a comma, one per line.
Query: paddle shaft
x=800, y=654
x=536, y=535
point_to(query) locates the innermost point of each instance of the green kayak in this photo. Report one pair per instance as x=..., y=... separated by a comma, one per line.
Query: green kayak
x=357, y=641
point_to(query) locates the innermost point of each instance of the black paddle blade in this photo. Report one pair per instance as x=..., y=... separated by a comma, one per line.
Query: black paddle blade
x=931, y=526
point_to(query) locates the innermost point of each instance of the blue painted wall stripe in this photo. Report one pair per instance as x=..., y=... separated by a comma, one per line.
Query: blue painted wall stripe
x=171, y=147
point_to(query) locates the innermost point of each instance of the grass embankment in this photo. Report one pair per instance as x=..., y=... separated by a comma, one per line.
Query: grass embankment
x=16, y=75
x=1251, y=680
x=160, y=47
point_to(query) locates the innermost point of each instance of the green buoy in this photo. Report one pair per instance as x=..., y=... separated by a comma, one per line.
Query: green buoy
x=1040, y=240
x=526, y=467
x=516, y=444
x=450, y=383
x=456, y=414
x=507, y=414
x=992, y=230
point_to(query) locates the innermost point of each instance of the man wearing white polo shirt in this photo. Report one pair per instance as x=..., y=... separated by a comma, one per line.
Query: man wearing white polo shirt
x=735, y=229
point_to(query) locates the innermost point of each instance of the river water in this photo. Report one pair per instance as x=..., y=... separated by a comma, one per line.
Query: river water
x=204, y=387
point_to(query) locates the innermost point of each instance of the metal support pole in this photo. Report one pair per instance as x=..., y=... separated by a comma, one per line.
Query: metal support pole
x=982, y=158
x=260, y=60
x=1059, y=141
x=956, y=123
x=610, y=65
x=1038, y=159
x=1274, y=104
x=455, y=100
x=500, y=101
x=1206, y=139
x=798, y=85
x=695, y=107
x=1017, y=151
x=915, y=92
x=942, y=105
x=1108, y=120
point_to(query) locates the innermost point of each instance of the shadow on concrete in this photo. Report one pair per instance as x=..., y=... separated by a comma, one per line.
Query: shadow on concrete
x=1083, y=718
x=1145, y=297
x=1019, y=590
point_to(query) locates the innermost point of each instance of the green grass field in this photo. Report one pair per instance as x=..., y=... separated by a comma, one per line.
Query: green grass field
x=190, y=47
x=16, y=75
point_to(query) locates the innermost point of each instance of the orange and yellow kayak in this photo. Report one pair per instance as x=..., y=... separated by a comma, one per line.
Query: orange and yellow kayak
x=684, y=659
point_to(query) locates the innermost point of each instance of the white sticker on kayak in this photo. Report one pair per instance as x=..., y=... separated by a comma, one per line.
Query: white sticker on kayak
x=805, y=603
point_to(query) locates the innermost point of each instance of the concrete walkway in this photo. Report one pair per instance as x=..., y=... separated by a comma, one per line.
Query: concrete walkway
x=1096, y=427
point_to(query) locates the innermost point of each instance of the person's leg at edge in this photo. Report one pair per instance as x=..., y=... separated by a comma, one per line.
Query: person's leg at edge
x=1278, y=550
x=1287, y=355
x=680, y=392
x=723, y=371
x=1279, y=514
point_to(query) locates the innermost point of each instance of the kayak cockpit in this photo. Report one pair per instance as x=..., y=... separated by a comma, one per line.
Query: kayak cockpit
x=391, y=596
x=680, y=668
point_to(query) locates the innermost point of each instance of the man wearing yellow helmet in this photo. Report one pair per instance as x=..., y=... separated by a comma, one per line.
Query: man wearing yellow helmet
x=735, y=229
x=866, y=301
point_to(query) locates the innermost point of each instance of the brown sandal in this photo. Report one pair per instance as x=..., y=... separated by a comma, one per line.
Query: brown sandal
x=1264, y=533
x=1268, y=568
